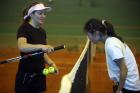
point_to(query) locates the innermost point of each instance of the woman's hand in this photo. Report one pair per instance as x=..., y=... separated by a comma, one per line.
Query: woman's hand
x=47, y=48
x=56, y=69
x=118, y=91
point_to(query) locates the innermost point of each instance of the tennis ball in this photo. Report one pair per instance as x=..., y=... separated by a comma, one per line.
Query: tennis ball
x=51, y=69
x=45, y=71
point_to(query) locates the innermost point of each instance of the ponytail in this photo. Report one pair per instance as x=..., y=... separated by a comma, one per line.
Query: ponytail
x=110, y=30
x=25, y=11
x=103, y=26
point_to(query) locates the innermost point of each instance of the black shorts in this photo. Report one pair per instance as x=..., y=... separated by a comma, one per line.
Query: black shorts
x=129, y=91
x=124, y=90
x=30, y=83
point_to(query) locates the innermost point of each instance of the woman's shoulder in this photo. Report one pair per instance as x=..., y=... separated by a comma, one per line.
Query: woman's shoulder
x=112, y=41
x=24, y=27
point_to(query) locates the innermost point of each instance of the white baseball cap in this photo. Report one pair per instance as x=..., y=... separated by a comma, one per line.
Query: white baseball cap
x=39, y=6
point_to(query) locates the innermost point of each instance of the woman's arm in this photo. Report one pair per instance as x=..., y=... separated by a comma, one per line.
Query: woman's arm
x=26, y=47
x=50, y=62
x=123, y=73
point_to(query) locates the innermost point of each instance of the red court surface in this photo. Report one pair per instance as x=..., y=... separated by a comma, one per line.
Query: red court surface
x=98, y=77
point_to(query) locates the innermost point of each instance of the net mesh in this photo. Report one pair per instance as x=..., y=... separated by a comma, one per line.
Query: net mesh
x=80, y=81
x=77, y=80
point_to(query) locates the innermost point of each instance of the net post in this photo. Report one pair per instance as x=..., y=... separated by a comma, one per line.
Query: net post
x=91, y=55
x=92, y=50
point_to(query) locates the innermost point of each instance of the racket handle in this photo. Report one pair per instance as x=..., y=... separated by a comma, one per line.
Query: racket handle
x=59, y=47
x=29, y=55
x=3, y=62
x=115, y=87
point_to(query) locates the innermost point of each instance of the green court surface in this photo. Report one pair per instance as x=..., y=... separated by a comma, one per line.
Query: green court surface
x=65, y=23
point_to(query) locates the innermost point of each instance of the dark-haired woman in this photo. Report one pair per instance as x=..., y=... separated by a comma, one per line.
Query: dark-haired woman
x=121, y=63
x=31, y=38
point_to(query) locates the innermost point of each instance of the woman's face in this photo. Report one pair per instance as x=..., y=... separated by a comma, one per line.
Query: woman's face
x=94, y=37
x=38, y=17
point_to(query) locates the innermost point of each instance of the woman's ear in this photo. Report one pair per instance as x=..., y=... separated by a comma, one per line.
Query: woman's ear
x=105, y=32
x=100, y=34
x=31, y=15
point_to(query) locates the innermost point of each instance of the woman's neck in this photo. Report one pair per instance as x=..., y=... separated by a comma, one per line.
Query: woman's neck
x=35, y=25
x=104, y=38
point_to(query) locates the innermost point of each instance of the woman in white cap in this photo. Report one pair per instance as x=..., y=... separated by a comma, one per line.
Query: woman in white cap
x=121, y=63
x=31, y=37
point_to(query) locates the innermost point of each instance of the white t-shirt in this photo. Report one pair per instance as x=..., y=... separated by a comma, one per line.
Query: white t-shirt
x=115, y=49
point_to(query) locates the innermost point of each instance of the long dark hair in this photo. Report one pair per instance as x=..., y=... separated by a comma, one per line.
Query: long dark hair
x=25, y=11
x=93, y=25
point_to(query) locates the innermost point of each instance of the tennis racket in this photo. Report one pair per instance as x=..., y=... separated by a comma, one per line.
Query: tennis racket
x=29, y=55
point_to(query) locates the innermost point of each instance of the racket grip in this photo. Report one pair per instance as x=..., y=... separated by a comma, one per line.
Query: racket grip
x=3, y=62
x=115, y=87
x=59, y=47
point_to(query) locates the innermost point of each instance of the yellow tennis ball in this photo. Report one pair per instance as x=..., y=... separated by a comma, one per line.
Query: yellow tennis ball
x=51, y=69
x=45, y=71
